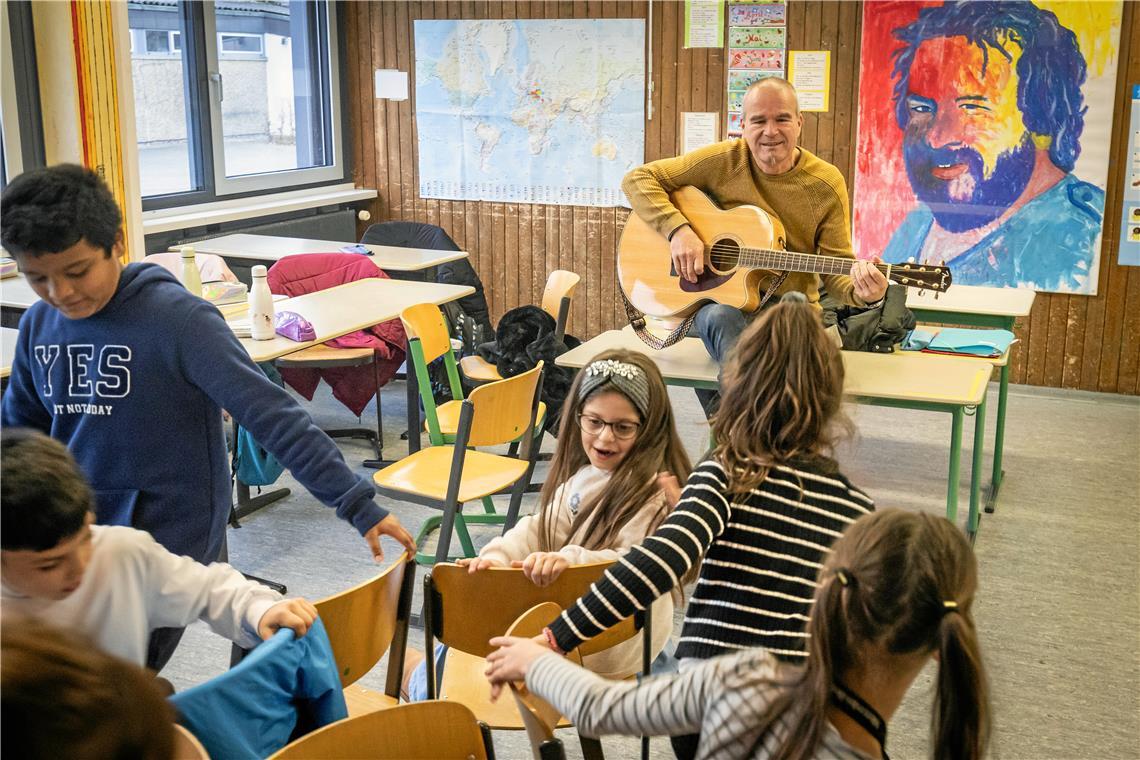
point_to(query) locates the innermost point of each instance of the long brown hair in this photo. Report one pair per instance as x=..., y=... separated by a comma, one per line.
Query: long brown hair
x=908, y=583
x=783, y=392
x=633, y=484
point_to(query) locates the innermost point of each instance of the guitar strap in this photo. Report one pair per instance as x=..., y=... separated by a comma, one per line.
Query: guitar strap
x=637, y=319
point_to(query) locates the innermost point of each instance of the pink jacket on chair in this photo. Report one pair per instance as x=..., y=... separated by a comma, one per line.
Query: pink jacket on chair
x=352, y=386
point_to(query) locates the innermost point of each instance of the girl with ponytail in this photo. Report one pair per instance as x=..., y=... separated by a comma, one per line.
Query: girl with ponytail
x=896, y=590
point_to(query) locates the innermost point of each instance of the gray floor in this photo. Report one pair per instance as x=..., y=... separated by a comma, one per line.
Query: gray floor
x=1059, y=604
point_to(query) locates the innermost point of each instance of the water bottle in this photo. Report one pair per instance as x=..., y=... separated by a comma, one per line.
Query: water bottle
x=261, y=312
x=191, y=279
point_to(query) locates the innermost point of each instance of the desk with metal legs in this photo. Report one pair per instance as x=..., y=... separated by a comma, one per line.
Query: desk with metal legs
x=980, y=307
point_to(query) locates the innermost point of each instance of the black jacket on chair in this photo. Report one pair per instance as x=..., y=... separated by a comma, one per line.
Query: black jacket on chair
x=876, y=330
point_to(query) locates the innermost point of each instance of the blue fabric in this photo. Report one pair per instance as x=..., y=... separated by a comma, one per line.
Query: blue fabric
x=253, y=465
x=251, y=711
x=418, y=683
x=917, y=339
x=1048, y=243
x=152, y=370
x=972, y=342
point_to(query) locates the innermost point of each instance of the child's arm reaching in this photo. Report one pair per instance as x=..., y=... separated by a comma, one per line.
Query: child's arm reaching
x=297, y=614
x=666, y=705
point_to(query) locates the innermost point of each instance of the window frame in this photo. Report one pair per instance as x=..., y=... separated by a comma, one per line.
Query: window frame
x=207, y=170
x=23, y=137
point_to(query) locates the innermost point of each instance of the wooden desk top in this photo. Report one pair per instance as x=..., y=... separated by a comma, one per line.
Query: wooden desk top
x=274, y=248
x=347, y=308
x=16, y=293
x=972, y=299
x=903, y=375
x=7, y=349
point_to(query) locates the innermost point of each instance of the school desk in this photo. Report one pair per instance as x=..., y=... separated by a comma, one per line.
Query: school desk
x=16, y=297
x=906, y=380
x=242, y=251
x=8, y=337
x=338, y=311
x=975, y=306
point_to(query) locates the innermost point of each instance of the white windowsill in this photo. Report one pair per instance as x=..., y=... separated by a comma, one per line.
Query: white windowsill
x=164, y=220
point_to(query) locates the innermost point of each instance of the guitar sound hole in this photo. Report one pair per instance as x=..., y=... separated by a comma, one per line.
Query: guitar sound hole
x=724, y=255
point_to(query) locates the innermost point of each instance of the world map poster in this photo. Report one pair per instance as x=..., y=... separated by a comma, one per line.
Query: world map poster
x=545, y=111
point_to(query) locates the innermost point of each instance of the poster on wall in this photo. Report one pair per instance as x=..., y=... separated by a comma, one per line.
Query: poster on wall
x=983, y=138
x=757, y=38
x=1130, y=213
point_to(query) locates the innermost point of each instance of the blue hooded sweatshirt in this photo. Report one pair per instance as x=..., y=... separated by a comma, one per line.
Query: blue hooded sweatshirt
x=136, y=391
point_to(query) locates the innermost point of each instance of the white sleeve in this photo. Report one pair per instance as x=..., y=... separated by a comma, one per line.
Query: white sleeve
x=516, y=543
x=182, y=591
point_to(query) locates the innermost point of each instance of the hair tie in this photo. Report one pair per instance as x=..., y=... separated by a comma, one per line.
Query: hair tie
x=628, y=379
x=949, y=606
x=844, y=580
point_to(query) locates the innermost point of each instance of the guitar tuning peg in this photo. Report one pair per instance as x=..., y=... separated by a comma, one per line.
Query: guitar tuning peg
x=910, y=260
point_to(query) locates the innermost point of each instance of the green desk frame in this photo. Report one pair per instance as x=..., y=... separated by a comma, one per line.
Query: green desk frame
x=998, y=321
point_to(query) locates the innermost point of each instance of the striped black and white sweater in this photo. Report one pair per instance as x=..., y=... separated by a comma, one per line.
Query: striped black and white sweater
x=724, y=699
x=761, y=553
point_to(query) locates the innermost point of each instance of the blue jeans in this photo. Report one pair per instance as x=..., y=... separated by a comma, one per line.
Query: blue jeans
x=719, y=327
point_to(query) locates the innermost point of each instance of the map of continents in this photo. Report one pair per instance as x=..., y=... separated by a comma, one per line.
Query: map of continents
x=530, y=111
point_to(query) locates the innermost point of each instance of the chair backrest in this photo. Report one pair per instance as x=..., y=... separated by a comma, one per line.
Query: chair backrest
x=428, y=339
x=364, y=621
x=187, y=746
x=556, y=298
x=539, y=718
x=424, y=322
x=504, y=410
x=434, y=730
x=467, y=609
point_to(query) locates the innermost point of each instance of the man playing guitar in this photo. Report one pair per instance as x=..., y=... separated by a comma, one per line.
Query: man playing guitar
x=765, y=168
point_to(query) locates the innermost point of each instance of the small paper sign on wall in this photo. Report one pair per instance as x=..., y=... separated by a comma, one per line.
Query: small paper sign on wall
x=809, y=71
x=697, y=129
x=704, y=20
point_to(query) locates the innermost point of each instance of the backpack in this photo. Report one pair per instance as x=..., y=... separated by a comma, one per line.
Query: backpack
x=253, y=465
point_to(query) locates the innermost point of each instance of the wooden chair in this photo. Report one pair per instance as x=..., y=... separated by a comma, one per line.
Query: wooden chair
x=465, y=611
x=187, y=746
x=494, y=414
x=556, y=299
x=428, y=340
x=327, y=357
x=416, y=731
x=539, y=718
x=363, y=623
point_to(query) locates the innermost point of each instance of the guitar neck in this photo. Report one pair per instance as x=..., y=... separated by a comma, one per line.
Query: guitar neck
x=769, y=258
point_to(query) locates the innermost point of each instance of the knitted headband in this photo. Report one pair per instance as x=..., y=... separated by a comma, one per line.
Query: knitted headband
x=628, y=379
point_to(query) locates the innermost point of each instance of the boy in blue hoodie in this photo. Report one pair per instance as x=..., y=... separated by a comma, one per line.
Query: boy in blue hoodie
x=132, y=372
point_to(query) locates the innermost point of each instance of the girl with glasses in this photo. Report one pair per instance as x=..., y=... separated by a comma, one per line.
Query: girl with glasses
x=614, y=478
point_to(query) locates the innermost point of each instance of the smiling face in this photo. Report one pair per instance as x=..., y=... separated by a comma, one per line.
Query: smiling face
x=968, y=153
x=604, y=449
x=772, y=124
x=79, y=281
x=53, y=573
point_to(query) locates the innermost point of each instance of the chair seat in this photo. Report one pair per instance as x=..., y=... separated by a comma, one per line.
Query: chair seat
x=448, y=415
x=464, y=681
x=426, y=473
x=361, y=700
x=477, y=369
x=328, y=356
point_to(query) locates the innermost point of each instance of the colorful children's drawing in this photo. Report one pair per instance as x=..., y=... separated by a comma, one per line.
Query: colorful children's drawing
x=735, y=123
x=743, y=79
x=755, y=58
x=981, y=137
x=757, y=15
x=736, y=100
x=756, y=37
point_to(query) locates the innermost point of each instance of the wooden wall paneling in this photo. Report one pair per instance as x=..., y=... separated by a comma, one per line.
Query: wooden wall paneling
x=654, y=94
x=363, y=163
x=669, y=16
x=512, y=255
x=379, y=123
x=844, y=79
x=1128, y=377
x=1055, y=346
x=828, y=40
x=594, y=255
x=580, y=256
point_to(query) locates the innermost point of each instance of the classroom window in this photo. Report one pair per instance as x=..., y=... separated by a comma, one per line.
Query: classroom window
x=257, y=107
x=21, y=130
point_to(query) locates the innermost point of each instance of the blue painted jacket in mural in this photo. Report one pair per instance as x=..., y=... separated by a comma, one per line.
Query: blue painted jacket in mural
x=1047, y=244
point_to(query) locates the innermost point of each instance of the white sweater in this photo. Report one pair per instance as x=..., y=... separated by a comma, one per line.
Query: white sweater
x=133, y=586
x=523, y=539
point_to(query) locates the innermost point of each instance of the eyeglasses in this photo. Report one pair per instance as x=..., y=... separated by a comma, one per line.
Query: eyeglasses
x=623, y=429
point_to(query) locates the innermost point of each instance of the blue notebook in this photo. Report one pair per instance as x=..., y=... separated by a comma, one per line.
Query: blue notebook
x=956, y=340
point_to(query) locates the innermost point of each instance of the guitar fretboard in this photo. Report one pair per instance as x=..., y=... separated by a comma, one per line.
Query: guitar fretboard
x=769, y=258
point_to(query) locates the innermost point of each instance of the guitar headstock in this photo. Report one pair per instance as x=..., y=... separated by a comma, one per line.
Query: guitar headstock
x=923, y=276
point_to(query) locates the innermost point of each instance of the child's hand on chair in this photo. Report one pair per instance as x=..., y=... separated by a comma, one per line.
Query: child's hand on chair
x=297, y=614
x=543, y=568
x=475, y=564
x=511, y=661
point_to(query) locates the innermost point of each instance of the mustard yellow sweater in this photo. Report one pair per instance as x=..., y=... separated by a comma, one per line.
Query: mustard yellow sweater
x=810, y=200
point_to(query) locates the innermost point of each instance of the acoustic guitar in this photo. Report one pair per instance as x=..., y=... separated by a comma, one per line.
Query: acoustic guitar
x=744, y=250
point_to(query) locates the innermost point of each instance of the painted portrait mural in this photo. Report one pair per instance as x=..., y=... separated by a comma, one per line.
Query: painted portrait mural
x=984, y=130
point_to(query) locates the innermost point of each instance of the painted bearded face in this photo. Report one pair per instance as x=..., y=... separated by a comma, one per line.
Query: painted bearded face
x=968, y=153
